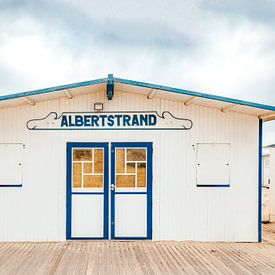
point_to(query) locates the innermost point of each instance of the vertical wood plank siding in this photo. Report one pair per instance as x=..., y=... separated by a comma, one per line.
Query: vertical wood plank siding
x=181, y=211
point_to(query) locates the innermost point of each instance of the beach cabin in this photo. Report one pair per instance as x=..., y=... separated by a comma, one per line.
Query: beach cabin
x=113, y=158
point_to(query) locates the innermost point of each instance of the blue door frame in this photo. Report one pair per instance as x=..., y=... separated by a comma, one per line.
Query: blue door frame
x=71, y=145
x=148, y=145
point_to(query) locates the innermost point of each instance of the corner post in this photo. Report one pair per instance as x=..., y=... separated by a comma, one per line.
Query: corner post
x=260, y=180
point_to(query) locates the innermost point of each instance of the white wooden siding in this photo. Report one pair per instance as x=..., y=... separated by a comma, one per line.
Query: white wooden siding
x=181, y=211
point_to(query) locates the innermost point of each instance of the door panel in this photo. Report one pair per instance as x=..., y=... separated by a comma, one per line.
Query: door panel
x=131, y=190
x=131, y=215
x=87, y=216
x=87, y=190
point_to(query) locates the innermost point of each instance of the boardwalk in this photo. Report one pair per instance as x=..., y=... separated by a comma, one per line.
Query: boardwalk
x=135, y=257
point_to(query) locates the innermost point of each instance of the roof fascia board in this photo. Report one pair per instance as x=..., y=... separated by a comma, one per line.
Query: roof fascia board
x=139, y=84
x=53, y=89
x=196, y=94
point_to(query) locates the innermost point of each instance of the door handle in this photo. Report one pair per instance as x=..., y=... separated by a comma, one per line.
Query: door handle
x=113, y=187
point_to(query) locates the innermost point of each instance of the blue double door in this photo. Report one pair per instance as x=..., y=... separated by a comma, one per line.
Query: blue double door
x=109, y=190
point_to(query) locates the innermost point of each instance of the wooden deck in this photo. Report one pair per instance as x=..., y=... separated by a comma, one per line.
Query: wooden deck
x=138, y=257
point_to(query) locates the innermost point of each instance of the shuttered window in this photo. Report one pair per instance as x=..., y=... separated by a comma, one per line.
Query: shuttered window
x=213, y=164
x=11, y=164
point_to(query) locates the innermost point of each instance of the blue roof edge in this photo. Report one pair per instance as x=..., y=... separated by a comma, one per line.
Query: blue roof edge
x=53, y=89
x=193, y=93
x=140, y=84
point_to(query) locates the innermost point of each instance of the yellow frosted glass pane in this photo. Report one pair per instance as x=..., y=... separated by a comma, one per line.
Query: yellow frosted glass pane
x=141, y=175
x=98, y=161
x=77, y=175
x=130, y=167
x=136, y=154
x=82, y=154
x=120, y=160
x=93, y=181
x=88, y=167
x=125, y=181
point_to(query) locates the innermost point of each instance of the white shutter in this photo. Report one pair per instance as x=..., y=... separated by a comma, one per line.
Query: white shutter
x=213, y=164
x=11, y=164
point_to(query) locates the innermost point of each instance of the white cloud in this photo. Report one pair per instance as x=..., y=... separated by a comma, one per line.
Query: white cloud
x=189, y=44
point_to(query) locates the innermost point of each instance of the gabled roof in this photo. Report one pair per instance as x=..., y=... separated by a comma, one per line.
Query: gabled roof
x=266, y=112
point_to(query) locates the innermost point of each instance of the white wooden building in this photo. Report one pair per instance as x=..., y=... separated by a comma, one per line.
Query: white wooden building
x=266, y=169
x=268, y=182
x=265, y=185
x=119, y=159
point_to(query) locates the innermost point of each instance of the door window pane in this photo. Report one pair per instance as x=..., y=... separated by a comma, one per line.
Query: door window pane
x=77, y=175
x=125, y=181
x=82, y=154
x=134, y=161
x=136, y=154
x=93, y=181
x=88, y=168
x=98, y=160
x=120, y=160
x=130, y=167
x=141, y=175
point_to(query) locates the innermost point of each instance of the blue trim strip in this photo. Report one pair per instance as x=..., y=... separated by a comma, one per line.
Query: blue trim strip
x=53, y=89
x=193, y=93
x=71, y=145
x=132, y=144
x=260, y=180
x=130, y=238
x=11, y=185
x=148, y=145
x=149, y=189
x=86, y=238
x=139, y=84
x=112, y=191
x=212, y=185
x=87, y=193
x=88, y=144
x=106, y=190
x=68, y=193
x=130, y=193
x=116, y=238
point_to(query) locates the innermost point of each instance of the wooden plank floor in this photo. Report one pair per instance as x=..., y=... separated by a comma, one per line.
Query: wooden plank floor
x=138, y=257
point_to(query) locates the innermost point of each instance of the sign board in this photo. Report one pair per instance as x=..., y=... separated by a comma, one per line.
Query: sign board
x=150, y=120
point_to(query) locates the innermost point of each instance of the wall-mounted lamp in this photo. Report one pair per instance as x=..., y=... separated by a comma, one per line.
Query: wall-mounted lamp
x=98, y=106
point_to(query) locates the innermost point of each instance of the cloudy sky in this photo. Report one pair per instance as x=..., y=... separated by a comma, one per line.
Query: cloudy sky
x=224, y=47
